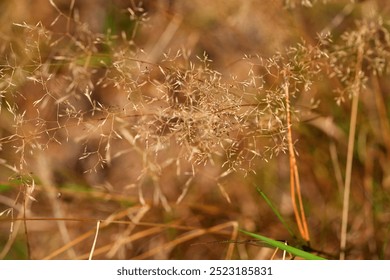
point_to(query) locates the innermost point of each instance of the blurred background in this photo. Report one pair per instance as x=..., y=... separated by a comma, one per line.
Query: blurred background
x=80, y=80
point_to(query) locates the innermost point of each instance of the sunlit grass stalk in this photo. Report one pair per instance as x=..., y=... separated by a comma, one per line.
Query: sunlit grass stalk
x=94, y=240
x=295, y=187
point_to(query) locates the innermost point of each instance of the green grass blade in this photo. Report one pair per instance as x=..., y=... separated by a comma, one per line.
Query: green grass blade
x=275, y=211
x=284, y=247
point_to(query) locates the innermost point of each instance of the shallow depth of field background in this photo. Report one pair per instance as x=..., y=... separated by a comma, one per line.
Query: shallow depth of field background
x=62, y=175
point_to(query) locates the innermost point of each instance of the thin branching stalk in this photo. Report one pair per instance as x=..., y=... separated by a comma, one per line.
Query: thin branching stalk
x=351, y=144
x=295, y=187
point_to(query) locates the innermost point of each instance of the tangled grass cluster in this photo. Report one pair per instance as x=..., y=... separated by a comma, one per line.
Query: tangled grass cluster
x=78, y=104
x=94, y=90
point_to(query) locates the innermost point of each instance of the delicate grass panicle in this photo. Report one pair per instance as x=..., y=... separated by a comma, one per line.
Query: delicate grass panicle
x=102, y=124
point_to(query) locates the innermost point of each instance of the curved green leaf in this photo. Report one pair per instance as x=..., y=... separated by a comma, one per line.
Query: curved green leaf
x=284, y=247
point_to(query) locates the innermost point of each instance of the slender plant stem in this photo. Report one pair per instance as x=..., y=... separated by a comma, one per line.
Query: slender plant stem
x=295, y=188
x=25, y=205
x=94, y=240
x=351, y=144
